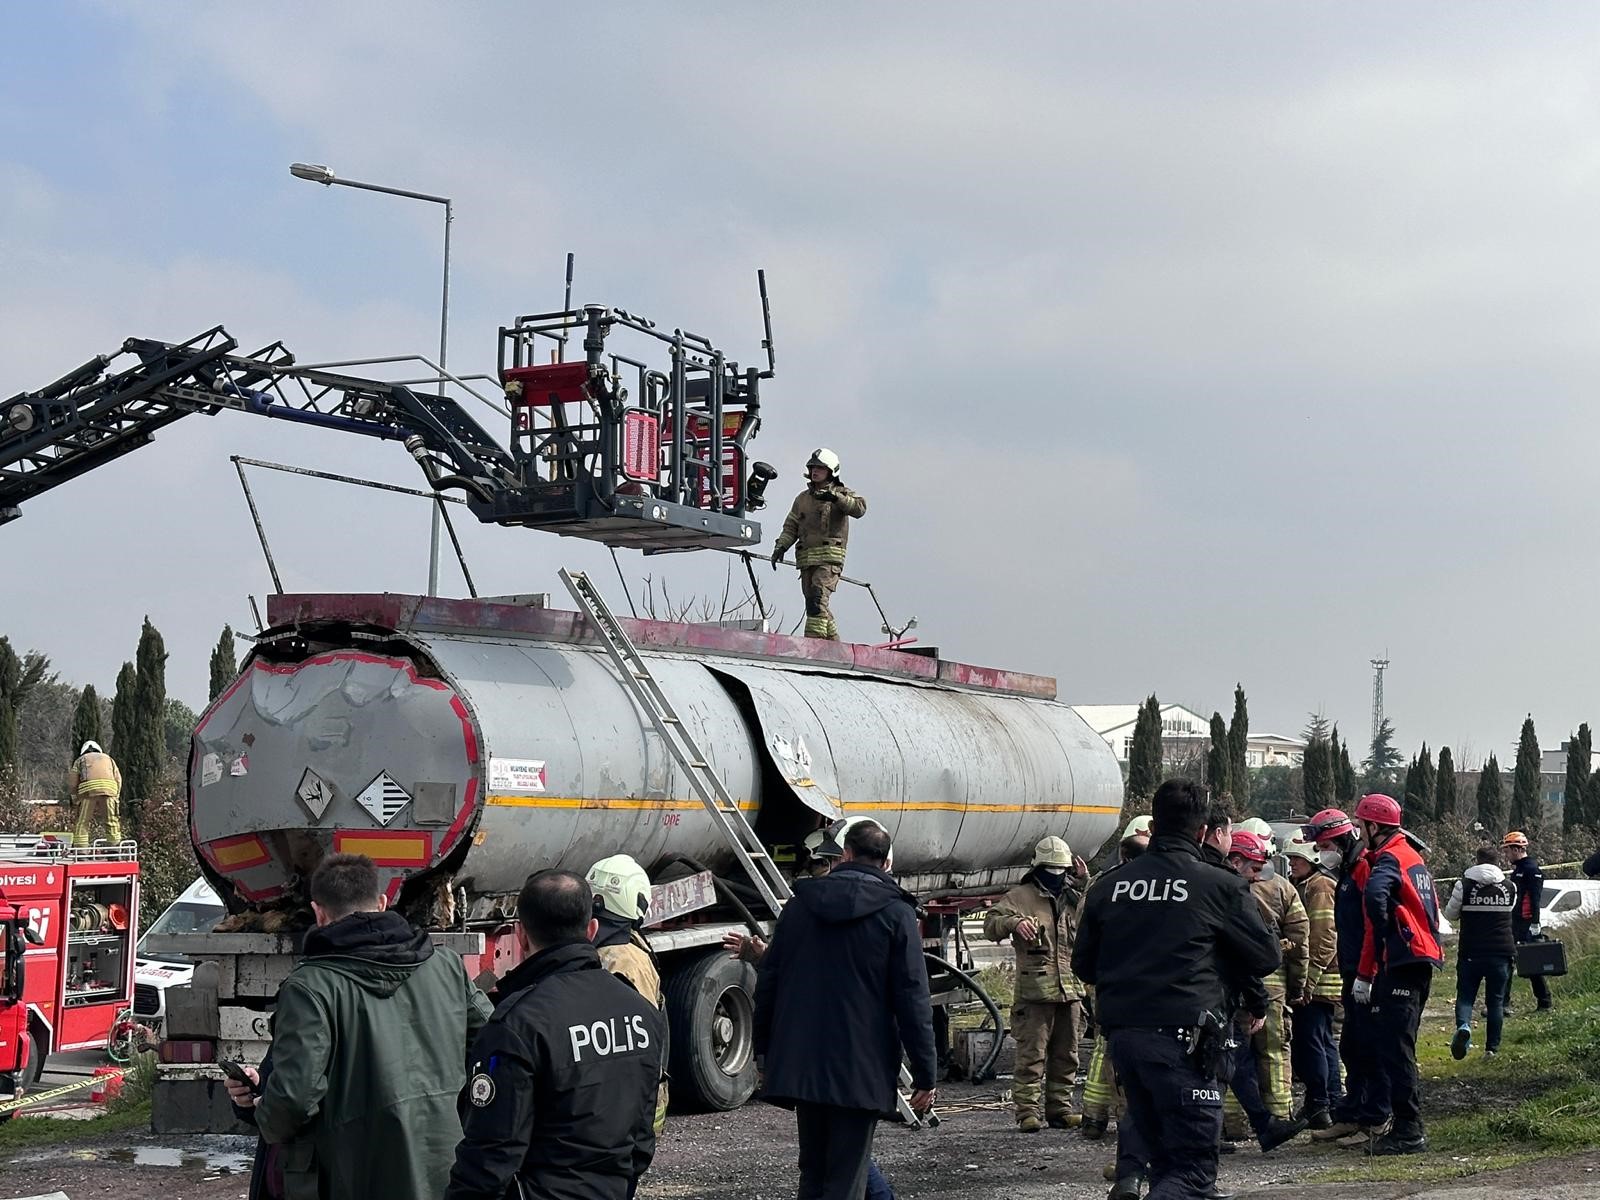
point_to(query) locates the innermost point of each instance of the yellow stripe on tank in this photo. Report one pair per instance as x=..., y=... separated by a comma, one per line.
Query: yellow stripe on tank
x=502, y=801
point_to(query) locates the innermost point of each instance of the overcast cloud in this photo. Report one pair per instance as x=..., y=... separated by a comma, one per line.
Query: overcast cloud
x=1172, y=345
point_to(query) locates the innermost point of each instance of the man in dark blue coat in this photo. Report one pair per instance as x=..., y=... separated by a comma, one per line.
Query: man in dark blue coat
x=842, y=990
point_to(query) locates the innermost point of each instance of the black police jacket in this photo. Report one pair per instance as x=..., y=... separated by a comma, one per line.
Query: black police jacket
x=562, y=1090
x=1164, y=936
x=1529, y=880
x=841, y=991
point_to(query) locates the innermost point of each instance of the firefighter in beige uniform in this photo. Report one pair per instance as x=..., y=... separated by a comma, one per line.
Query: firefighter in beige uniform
x=621, y=898
x=1040, y=916
x=95, y=783
x=819, y=522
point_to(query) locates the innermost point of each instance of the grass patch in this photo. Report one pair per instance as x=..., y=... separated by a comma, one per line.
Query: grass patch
x=1428, y=1169
x=27, y=1132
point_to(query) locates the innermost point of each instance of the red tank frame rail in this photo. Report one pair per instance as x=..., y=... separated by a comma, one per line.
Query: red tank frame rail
x=390, y=610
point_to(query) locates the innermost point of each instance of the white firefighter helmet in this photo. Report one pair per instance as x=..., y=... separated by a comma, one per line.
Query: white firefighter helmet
x=823, y=457
x=1052, y=852
x=1138, y=827
x=621, y=886
x=1261, y=829
x=1300, y=848
x=91, y=748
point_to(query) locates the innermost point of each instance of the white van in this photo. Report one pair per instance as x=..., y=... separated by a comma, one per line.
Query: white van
x=196, y=911
x=1567, y=900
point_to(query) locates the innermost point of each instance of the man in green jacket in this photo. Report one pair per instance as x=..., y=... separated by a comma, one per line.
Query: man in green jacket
x=369, y=1051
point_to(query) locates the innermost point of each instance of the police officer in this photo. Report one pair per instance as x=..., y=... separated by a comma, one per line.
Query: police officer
x=621, y=900
x=1040, y=916
x=1159, y=939
x=1482, y=903
x=585, y=1044
x=1529, y=881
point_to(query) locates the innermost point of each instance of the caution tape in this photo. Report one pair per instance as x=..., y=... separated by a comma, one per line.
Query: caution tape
x=63, y=1090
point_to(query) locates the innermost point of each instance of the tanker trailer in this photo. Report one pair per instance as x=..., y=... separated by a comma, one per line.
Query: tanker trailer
x=464, y=744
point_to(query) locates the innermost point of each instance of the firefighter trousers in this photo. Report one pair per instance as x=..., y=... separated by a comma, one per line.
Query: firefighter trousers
x=1101, y=1099
x=818, y=584
x=1047, y=1056
x=96, y=809
x=1270, y=1049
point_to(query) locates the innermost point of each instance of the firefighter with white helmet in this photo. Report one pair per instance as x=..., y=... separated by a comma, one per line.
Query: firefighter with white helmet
x=819, y=524
x=1314, y=1050
x=1040, y=916
x=95, y=783
x=621, y=900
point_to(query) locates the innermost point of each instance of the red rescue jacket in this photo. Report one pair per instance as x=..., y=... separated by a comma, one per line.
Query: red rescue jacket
x=1401, y=909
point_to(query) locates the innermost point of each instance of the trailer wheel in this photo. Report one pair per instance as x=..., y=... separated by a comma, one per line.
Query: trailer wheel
x=35, y=1067
x=711, y=1010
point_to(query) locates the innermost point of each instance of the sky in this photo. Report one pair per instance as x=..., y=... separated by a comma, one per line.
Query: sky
x=1171, y=345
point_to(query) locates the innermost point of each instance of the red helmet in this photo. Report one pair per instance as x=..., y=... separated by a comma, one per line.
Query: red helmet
x=1329, y=823
x=1248, y=846
x=1379, y=809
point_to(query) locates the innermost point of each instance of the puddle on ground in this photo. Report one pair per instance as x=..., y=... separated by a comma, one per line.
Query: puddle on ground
x=220, y=1162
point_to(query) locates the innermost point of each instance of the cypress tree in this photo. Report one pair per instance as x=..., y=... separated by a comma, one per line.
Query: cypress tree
x=1444, y=801
x=1238, y=750
x=1525, y=784
x=1427, y=786
x=1144, y=756
x=1408, y=790
x=1316, y=780
x=1491, y=799
x=122, y=705
x=145, y=766
x=1574, y=808
x=86, y=720
x=225, y=664
x=1217, y=760
x=1349, y=789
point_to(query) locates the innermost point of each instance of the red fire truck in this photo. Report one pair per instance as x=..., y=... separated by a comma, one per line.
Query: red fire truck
x=68, y=918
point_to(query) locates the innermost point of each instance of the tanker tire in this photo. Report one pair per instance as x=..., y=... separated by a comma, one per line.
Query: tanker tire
x=711, y=1048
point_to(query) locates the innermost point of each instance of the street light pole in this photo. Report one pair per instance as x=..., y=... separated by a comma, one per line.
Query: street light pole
x=317, y=173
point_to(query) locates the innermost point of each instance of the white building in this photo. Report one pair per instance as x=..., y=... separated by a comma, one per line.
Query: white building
x=1184, y=734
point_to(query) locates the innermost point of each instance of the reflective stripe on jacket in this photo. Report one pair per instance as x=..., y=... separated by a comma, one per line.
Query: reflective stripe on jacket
x=94, y=774
x=821, y=527
x=1322, y=968
x=1286, y=917
x=1044, y=965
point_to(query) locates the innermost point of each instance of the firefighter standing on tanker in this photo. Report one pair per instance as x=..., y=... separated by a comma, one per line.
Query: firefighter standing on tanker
x=96, y=784
x=1040, y=916
x=621, y=899
x=819, y=522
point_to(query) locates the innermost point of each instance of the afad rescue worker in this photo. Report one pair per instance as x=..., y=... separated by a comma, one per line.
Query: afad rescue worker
x=1363, y=1114
x=1040, y=916
x=1315, y=1053
x=621, y=899
x=1100, y=1091
x=1159, y=939
x=1481, y=904
x=1261, y=1070
x=819, y=522
x=561, y=1102
x=95, y=784
x=1399, y=953
x=1529, y=881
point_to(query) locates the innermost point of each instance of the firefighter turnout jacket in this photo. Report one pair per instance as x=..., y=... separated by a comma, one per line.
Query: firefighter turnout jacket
x=1401, y=909
x=1044, y=965
x=561, y=1094
x=630, y=958
x=1285, y=916
x=1162, y=937
x=94, y=774
x=819, y=522
x=1322, y=965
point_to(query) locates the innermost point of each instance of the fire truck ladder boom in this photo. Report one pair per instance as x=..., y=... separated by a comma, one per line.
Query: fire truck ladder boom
x=636, y=675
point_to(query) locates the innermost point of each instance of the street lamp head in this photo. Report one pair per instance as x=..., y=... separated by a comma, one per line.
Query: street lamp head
x=315, y=172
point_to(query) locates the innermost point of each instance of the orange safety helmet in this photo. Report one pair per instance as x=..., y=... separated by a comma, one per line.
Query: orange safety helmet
x=1515, y=838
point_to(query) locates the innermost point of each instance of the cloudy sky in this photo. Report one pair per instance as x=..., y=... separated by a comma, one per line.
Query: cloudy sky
x=1171, y=344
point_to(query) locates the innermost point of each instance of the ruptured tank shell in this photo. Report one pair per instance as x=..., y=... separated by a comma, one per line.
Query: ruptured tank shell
x=446, y=753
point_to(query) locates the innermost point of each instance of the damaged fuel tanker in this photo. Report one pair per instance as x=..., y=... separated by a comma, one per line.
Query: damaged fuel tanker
x=464, y=744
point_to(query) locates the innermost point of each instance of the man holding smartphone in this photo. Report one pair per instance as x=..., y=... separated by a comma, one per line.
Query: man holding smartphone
x=369, y=1052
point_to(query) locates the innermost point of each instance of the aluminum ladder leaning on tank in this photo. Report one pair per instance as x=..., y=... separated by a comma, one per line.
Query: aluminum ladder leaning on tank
x=769, y=882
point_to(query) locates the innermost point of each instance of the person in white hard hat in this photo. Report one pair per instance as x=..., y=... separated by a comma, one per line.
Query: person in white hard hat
x=819, y=523
x=621, y=900
x=95, y=783
x=1040, y=916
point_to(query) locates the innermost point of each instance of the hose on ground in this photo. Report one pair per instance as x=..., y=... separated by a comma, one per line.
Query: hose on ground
x=972, y=985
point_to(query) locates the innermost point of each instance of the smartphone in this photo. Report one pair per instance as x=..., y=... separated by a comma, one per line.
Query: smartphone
x=236, y=1071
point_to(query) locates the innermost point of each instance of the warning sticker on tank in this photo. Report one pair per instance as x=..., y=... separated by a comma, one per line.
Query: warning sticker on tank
x=516, y=775
x=210, y=769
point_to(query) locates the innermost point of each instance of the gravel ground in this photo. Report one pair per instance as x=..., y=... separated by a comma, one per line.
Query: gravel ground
x=975, y=1154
